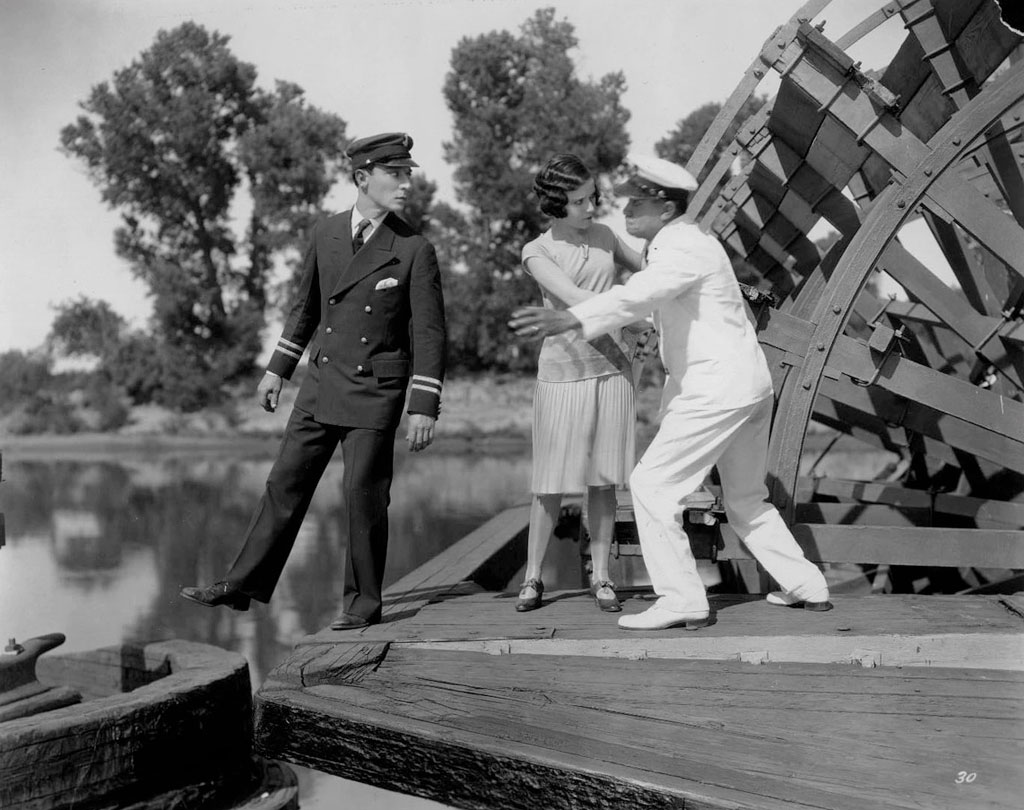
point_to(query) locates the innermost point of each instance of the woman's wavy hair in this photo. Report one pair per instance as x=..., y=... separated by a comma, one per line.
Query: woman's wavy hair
x=562, y=173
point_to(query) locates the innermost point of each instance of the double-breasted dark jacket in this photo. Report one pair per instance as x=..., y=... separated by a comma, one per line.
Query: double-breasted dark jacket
x=373, y=321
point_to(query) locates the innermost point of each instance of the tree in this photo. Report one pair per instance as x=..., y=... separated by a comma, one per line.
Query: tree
x=22, y=374
x=680, y=144
x=85, y=327
x=515, y=100
x=418, y=203
x=171, y=141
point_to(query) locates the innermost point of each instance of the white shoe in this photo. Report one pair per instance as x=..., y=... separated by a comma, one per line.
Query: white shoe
x=818, y=601
x=659, y=618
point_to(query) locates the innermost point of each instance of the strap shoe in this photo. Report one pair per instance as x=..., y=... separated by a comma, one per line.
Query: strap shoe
x=526, y=601
x=603, y=591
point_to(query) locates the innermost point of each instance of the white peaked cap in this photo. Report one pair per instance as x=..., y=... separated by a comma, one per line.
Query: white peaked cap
x=654, y=177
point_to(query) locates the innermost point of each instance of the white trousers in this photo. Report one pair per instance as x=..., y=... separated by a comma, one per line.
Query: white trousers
x=688, y=444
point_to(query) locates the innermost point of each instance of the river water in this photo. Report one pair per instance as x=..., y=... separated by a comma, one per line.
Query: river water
x=98, y=544
x=97, y=547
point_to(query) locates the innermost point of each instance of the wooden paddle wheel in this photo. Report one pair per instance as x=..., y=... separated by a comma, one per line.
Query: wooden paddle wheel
x=903, y=700
x=915, y=352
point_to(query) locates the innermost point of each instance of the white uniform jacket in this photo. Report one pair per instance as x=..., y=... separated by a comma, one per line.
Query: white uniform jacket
x=708, y=344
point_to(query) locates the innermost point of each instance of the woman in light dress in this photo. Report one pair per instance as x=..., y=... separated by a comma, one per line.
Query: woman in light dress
x=584, y=413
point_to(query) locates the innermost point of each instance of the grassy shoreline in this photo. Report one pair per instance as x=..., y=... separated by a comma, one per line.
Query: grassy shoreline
x=493, y=412
x=487, y=414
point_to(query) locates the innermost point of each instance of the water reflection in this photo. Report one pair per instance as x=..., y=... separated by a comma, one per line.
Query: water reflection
x=97, y=550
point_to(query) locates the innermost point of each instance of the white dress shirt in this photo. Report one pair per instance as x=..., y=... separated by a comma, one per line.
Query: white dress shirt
x=375, y=222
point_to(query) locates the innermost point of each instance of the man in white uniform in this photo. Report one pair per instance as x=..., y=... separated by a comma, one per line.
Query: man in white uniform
x=716, y=407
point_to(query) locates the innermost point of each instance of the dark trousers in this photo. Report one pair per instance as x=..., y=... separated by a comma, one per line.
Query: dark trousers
x=368, y=458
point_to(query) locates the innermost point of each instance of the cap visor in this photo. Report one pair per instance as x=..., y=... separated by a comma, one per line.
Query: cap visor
x=630, y=189
x=399, y=163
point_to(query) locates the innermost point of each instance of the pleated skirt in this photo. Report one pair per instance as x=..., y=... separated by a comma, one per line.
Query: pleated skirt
x=584, y=434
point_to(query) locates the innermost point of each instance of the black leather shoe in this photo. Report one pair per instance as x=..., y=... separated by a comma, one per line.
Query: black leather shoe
x=346, y=621
x=219, y=593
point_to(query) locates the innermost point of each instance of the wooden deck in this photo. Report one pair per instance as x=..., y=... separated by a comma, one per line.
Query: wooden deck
x=884, y=702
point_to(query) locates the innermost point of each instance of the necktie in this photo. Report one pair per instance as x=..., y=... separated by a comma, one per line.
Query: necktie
x=357, y=240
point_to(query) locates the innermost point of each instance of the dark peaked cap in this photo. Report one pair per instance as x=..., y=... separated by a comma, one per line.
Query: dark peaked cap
x=387, y=149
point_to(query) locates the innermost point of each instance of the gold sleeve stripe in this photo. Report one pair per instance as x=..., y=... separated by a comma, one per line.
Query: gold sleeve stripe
x=290, y=353
x=427, y=380
x=288, y=344
x=435, y=391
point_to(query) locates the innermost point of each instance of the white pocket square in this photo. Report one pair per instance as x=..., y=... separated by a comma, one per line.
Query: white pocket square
x=386, y=283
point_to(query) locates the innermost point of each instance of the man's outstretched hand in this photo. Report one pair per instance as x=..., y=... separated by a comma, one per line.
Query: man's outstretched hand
x=534, y=323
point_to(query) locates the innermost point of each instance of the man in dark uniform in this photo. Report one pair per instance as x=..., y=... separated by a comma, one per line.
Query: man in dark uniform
x=370, y=300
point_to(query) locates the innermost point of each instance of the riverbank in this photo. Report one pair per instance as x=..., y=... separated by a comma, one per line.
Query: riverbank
x=485, y=412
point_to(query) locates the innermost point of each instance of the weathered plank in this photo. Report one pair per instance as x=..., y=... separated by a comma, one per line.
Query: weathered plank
x=477, y=555
x=892, y=540
x=652, y=733
x=911, y=545
x=985, y=511
x=968, y=632
x=470, y=768
x=931, y=388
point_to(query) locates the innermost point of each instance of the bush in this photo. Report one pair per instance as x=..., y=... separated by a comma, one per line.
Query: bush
x=23, y=375
x=105, y=399
x=155, y=372
x=45, y=412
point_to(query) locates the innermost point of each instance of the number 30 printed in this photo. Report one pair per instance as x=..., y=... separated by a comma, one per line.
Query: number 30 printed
x=965, y=778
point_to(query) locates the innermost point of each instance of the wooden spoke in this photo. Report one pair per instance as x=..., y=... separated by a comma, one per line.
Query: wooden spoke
x=931, y=370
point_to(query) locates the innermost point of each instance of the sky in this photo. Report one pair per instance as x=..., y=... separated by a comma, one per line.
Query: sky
x=378, y=64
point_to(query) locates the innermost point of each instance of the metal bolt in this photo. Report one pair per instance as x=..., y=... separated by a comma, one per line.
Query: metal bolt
x=927, y=172
x=821, y=347
x=807, y=384
x=836, y=308
x=759, y=73
x=956, y=141
x=780, y=43
x=901, y=203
